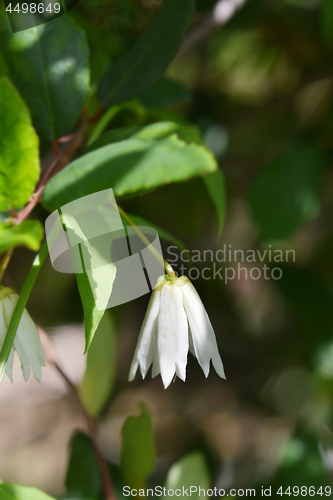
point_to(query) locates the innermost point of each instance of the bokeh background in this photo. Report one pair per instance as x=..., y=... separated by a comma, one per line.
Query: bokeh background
x=260, y=90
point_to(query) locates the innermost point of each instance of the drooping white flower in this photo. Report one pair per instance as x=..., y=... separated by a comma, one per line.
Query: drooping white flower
x=176, y=321
x=27, y=343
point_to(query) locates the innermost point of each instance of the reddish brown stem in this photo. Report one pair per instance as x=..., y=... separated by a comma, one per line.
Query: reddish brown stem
x=51, y=359
x=97, y=115
x=59, y=163
x=55, y=148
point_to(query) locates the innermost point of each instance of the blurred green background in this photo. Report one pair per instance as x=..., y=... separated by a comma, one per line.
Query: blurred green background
x=260, y=91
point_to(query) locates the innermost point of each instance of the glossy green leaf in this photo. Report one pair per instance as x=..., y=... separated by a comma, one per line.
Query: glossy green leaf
x=191, y=470
x=137, y=452
x=140, y=221
x=152, y=132
x=286, y=194
x=150, y=56
x=130, y=168
x=216, y=188
x=19, y=154
x=49, y=65
x=29, y=234
x=10, y=491
x=83, y=478
x=98, y=379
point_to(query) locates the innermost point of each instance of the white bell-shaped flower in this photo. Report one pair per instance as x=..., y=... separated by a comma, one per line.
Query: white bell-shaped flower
x=27, y=343
x=176, y=322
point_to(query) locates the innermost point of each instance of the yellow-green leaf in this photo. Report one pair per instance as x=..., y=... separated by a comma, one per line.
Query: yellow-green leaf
x=29, y=234
x=10, y=491
x=190, y=471
x=19, y=155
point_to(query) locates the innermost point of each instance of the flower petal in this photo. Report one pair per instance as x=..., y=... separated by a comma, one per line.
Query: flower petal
x=172, y=334
x=156, y=370
x=29, y=348
x=180, y=327
x=9, y=303
x=3, y=326
x=144, y=351
x=9, y=365
x=27, y=342
x=203, y=336
x=3, y=331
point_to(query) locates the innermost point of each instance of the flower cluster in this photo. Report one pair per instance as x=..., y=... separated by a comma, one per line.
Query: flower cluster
x=27, y=343
x=176, y=322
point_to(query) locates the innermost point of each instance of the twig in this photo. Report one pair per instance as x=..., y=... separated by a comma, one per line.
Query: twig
x=55, y=148
x=97, y=115
x=222, y=12
x=51, y=359
x=59, y=163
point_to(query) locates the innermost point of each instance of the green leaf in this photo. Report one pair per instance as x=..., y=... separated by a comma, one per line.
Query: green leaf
x=137, y=452
x=29, y=234
x=216, y=188
x=150, y=56
x=130, y=168
x=3, y=67
x=49, y=65
x=140, y=221
x=83, y=478
x=96, y=282
x=327, y=21
x=191, y=470
x=286, y=194
x=10, y=491
x=117, y=481
x=152, y=132
x=164, y=93
x=134, y=107
x=98, y=379
x=92, y=316
x=19, y=155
